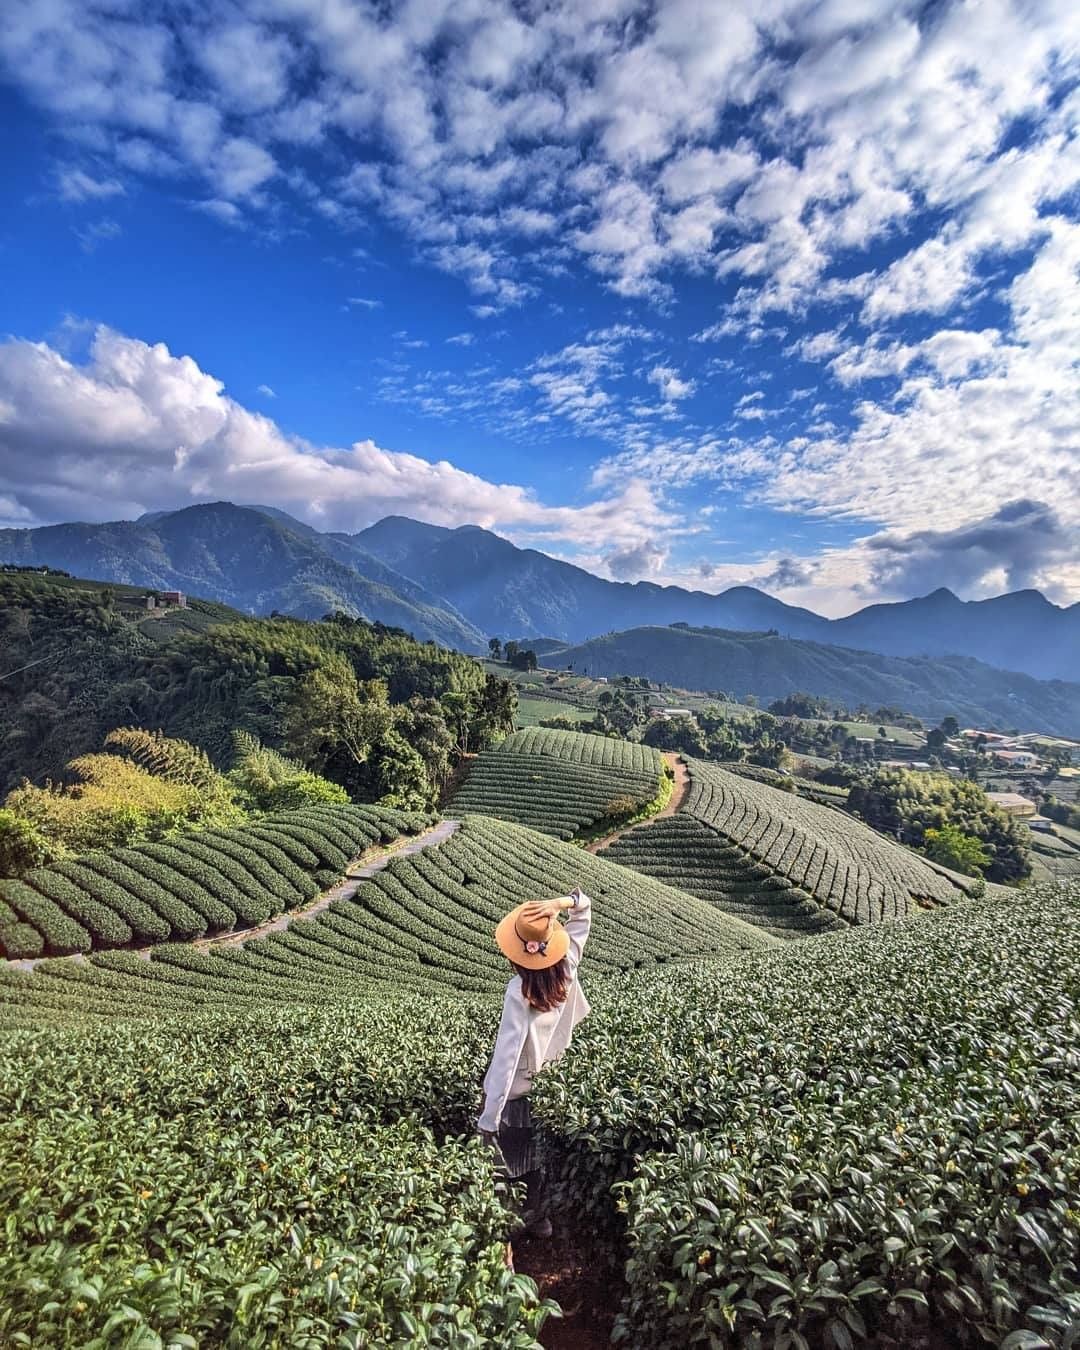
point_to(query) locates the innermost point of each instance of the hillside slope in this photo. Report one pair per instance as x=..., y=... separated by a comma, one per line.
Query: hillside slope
x=560, y=782
x=777, y=860
x=771, y=667
x=245, y=558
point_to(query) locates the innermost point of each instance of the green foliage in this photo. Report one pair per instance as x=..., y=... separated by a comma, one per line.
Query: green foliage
x=867, y=1140
x=330, y=692
x=908, y=804
x=209, y=881
x=168, y=758
x=268, y=781
x=773, y=858
x=22, y=845
x=560, y=782
x=266, y=1186
x=953, y=848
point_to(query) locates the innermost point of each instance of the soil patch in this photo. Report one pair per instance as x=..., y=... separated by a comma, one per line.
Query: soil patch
x=678, y=796
x=586, y=1291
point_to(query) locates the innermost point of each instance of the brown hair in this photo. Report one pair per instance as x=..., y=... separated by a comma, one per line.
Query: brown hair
x=544, y=989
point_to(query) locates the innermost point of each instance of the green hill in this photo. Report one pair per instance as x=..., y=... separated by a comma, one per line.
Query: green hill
x=208, y=882
x=560, y=782
x=771, y=667
x=778, y=860
x=280, y=1138
x=256, y=560
x=81, y=657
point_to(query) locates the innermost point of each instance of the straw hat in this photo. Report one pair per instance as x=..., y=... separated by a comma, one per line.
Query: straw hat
x=532, y=939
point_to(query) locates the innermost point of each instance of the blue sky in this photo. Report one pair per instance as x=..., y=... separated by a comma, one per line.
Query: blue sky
x=784, y=294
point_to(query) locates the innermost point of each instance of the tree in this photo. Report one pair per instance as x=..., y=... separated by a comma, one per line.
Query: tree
x=522, y=660
x=510, y=650
x=950, y=726
x=22, y=846
x=935, y=739
x=495, y=648
x=951, y=847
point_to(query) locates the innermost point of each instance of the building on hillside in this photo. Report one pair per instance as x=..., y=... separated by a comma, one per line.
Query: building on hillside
x=1041, y=825
x=990, y=737
x=1013, y=804
x=1016, y=759
x=155, y=600
x=677, y=712
x=175, y=598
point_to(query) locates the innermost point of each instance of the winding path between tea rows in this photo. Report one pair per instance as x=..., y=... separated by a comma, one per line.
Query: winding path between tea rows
x=681, y=774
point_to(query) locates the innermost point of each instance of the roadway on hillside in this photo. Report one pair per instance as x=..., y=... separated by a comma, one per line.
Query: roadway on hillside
x=678, y=796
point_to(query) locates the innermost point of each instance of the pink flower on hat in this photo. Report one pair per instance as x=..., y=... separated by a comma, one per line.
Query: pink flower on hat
x=532, y=948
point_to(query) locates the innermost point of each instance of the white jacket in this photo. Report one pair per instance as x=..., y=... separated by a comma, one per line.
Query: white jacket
x=529, y=1039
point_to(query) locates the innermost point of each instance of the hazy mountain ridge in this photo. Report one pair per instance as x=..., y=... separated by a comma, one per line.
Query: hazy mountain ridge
x=772, y=666
x=509, y=591
x=248, y=558
x=460, y=586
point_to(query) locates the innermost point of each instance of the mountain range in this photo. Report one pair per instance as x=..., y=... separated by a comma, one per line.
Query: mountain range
x=460, y=586
x=771, y=666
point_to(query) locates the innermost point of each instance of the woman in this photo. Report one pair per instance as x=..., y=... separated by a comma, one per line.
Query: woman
x=544, y=1003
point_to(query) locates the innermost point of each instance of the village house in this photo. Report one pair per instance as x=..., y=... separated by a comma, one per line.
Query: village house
x=1013, y=804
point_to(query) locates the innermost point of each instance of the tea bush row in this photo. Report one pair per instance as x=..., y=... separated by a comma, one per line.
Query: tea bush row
x=559, y=782
x=870, y=1138
x=262, y=1179
x=843, y=864
x=425, y=922
x=682, y=852
x=579, y=747
x=205, y=882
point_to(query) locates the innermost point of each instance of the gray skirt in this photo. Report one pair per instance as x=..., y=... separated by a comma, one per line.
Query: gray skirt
x=517, y=1143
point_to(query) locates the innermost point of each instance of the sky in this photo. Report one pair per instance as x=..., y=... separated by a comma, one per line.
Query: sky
x=753, y=292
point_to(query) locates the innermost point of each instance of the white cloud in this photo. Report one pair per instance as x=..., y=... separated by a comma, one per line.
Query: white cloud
x=762, y=141
x=75, y=185
x=643, y=560
x=96, y=233
x=266, y=391
x=670, y=383
x=225, y=212
x=462, y=340
x=136, y=428
x=363, y=302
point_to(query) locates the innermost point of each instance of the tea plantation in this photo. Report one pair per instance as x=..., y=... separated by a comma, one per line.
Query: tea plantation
x=870, y=1137
x=791, y=865
x=560, y=782
x=208, y=882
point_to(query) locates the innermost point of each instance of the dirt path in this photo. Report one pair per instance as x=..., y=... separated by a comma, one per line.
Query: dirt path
x=358, y=871
x=588, y=1294
x=678, y=797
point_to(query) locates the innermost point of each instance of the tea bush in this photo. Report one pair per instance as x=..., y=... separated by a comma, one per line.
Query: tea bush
x=196, y=884
x=411, y=923
x=790, y=865
x=255, y=1181
x=560, y=782
x=873, y=1137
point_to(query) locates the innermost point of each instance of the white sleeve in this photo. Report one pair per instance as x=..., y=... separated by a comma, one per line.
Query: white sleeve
x=578, y=925
x=513, y=1029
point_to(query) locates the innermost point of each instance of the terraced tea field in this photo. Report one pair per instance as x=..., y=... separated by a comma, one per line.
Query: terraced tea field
x=867, y=1138
x=207, y=882
x=560, y=782
x=791, y=865
x=424, y=922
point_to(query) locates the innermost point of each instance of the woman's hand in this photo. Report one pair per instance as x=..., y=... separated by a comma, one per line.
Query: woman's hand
x=543, y=909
